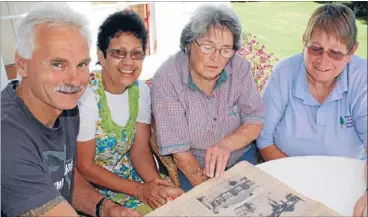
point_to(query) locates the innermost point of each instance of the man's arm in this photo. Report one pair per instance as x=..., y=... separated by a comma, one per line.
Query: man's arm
x=56, y=207
x=85, y=199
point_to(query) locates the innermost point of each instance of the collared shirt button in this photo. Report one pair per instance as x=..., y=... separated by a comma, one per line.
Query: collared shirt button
x=215, y=119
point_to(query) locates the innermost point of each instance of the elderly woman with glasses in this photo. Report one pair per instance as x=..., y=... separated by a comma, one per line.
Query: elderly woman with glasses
x=113, y=143
x=316, y=101
x=205, y=102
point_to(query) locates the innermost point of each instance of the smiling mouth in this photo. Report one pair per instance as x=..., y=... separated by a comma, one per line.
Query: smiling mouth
x=321, y=69
x=68, y=93
x=126, y=71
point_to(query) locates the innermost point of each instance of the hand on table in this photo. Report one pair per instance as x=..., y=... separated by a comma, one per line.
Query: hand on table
x=360, y=208
x=216, y=160
x=157, y=192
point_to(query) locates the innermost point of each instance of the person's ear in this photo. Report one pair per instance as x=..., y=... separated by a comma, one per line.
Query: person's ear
x=101, y=58
x=352, y=52
x=303, y=39
x=21, y=65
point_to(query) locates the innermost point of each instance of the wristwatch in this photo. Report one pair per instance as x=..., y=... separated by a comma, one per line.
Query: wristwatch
x=99, y=207
x=98, y=210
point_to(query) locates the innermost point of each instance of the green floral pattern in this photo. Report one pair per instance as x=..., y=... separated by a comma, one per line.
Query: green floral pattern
x=113, y=142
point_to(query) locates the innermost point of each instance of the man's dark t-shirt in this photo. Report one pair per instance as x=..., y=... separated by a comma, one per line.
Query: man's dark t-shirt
x=37, y=162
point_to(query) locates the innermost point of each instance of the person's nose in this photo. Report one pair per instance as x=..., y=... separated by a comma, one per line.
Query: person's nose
x=324, y=58
x=215, y=55
x=72, y=77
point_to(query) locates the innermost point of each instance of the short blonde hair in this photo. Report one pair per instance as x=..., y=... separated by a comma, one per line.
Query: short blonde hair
x=335, y=20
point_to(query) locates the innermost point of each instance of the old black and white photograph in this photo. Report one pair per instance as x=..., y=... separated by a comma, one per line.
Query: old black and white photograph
x=234, y=192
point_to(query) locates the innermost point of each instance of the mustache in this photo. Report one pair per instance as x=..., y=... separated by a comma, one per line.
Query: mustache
x=68, y=89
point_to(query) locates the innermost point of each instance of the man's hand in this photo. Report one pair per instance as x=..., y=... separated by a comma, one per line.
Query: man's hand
x=360, y=207
x=216, y=159
x=156, y=192
x=111, y=209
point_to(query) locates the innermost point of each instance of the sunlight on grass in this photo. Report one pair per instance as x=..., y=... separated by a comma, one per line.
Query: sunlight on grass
x=280, y=25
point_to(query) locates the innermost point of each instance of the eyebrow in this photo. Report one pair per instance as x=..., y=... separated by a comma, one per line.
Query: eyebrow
x=62, y=60
x=225, y=46
x=59, y=60
x=123, y=48
x=317, y=43
x=86, y=60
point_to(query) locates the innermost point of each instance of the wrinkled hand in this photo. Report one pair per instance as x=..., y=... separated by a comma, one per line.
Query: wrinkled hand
x=111, y=209
x=360, y=207
x=171, y=192
x=216, y=160
x=156, y=192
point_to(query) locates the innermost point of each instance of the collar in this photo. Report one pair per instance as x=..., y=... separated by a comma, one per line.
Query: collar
x=341, y=85
x=221, y=79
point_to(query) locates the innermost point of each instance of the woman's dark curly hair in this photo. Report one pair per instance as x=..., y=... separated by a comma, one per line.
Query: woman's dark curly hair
x=126, y=21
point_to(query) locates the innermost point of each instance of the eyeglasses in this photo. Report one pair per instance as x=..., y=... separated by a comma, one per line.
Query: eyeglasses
x=121, y=54
x=210, y=49
x=318, y=51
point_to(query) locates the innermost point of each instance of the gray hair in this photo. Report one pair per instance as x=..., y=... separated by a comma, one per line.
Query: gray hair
x=50, y=15
x=207, y=16
x=335, y=19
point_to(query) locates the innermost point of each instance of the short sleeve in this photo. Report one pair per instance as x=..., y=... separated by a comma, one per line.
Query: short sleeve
x=250, y=102
x=88, y=111
x=25, y=181
x=274, y=107
x=145, y=112
x=169, y=113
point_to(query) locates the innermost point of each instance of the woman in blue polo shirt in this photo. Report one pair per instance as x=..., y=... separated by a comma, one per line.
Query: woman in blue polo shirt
x=316, y=101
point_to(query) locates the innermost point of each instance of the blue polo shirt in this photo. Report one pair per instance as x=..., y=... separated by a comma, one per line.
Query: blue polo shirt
x=299, y=125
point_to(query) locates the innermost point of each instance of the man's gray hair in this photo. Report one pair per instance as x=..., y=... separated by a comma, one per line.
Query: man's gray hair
x=49, y=15
x=207, y=16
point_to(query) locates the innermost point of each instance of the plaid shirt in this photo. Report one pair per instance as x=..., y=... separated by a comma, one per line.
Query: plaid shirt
x=187, y=119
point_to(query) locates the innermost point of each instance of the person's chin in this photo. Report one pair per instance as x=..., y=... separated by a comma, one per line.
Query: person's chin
x=211, y=76
x=66, y=101
x=66, y=105
x=128, y=79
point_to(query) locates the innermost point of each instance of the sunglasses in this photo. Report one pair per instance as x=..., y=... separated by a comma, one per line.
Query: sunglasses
x=121, y=54
x=318, y=51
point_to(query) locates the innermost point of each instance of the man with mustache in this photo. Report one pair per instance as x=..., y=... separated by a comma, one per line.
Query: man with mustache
x=40, y=120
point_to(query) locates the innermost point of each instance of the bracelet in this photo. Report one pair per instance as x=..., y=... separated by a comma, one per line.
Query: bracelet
x=99, y=207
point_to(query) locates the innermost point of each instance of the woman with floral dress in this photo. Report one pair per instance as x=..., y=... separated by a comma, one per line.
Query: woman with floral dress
x=113, y=149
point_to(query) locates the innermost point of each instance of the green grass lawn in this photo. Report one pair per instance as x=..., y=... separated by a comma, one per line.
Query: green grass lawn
x=280, y=25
